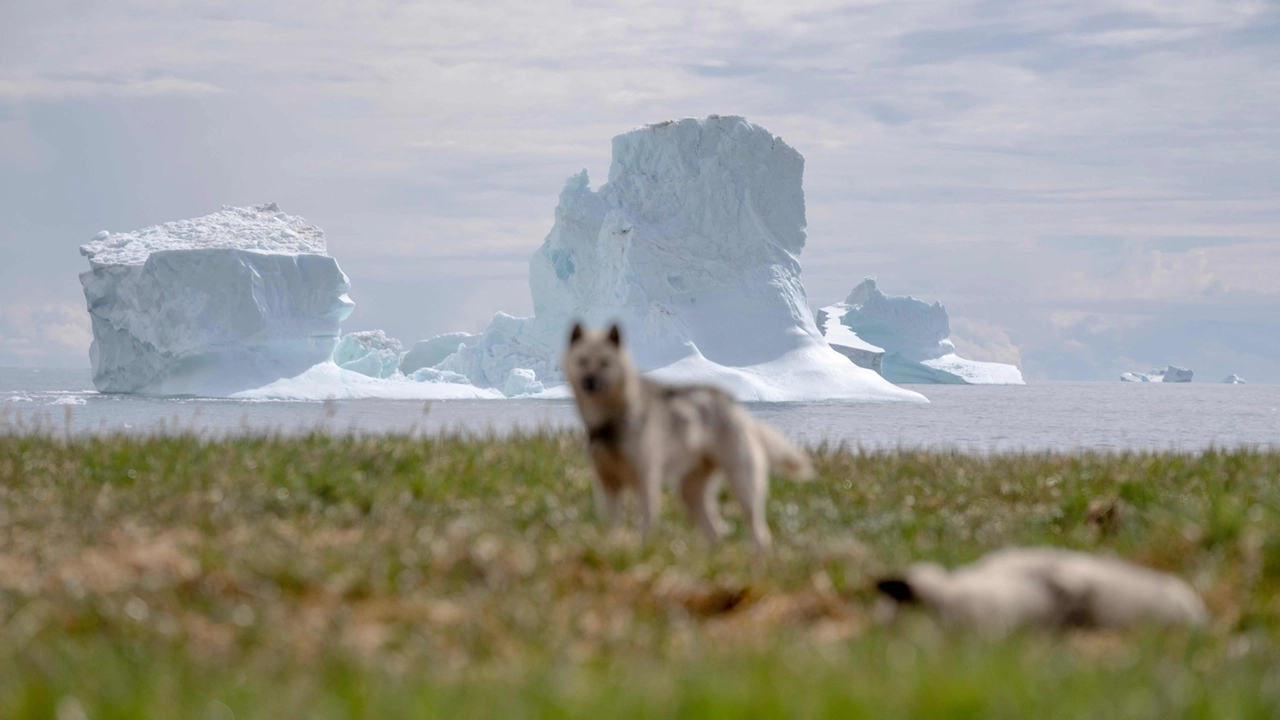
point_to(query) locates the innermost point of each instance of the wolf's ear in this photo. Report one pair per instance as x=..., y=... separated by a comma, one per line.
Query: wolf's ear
x=576, y=334
x=898, y=589
x=615, y=335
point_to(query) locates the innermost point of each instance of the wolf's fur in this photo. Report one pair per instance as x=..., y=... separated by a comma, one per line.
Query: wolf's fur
x=642, y=433
x=1047, y=588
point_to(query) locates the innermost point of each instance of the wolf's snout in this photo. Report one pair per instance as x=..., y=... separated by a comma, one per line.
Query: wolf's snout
x=590, y=383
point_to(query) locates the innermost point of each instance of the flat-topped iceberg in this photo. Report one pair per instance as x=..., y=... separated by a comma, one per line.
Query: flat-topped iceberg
x=212, y=306
x=693, y=246
x=909, y=340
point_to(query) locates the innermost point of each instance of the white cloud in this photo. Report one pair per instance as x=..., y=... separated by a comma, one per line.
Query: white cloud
x=44, y=89
x=977, y=340
x=32, y=332
x=943, y=139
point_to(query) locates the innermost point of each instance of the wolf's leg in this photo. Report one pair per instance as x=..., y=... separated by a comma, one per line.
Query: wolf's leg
x=650, y=494
x=698, y=491
x=609, y=503
x=711, y=504
x=747, y=470
x=611, y=479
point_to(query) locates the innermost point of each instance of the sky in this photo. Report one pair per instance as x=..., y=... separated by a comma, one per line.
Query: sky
x=1089, y=187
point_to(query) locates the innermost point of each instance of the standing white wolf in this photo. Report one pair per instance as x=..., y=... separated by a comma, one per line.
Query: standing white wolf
x=642, y=433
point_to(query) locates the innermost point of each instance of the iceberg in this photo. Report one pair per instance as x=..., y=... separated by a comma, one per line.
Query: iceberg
x=214, y=305
x=1173, y=373
x=522, y=381
x=1233, y=379
x=244, y=303
x=327, y=381
x=370, y=353
x=846, y=342
x=431, y=375
x=1169, y=374
x=907, y=340
x=430, y=352
x=693, y=246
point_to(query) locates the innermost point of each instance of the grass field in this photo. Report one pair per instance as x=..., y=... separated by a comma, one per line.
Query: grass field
x=394, y=577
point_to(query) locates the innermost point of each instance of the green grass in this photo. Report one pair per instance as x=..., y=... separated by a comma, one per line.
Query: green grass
x=394, y=577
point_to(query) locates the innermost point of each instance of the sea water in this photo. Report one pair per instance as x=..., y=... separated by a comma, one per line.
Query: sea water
x=1109, y=416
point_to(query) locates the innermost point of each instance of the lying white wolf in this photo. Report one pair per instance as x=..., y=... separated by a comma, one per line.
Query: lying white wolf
x=1047, y=588
x=641, y=433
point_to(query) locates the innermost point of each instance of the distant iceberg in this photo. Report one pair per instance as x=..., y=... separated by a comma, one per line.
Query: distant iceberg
x=212, y=306
x=428, y=353
x=830, y=321
x=327, y=381
x=905, y=339
x=521, y=382
x=370, y=353
x=242, y=303
x=1233, y=379
x=692, y=245
x=1169, y=374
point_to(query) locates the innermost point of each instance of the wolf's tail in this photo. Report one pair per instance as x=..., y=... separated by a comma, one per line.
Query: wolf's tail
x=784, y=457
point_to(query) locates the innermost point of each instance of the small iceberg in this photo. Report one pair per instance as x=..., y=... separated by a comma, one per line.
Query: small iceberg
x=904, y=339
x=428, y=353
x=327, y=381
x=369, y=352
x=1169, y=374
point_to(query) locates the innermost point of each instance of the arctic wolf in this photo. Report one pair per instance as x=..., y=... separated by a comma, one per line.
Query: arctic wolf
x=642, y=434
x=1047, y=588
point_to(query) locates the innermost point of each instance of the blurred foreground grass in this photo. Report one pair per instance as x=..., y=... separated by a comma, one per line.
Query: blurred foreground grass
x=390, y=577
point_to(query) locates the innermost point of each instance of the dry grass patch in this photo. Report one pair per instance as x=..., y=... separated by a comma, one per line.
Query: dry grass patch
x=377, y=577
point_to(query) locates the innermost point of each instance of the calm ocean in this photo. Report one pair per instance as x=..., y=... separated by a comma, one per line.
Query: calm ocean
x=1040, y=416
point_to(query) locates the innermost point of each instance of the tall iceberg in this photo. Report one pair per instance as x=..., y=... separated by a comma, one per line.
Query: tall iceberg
x=692, y=245
x=212, y=306
x=913, y=339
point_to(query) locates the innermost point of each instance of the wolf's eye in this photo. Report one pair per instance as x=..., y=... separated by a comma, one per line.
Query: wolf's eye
x=582, y=363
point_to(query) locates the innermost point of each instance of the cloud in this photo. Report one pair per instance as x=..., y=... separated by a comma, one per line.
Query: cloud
x=976, y=340
x=32, y=333
x=1022, y=162
x=44, y=89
